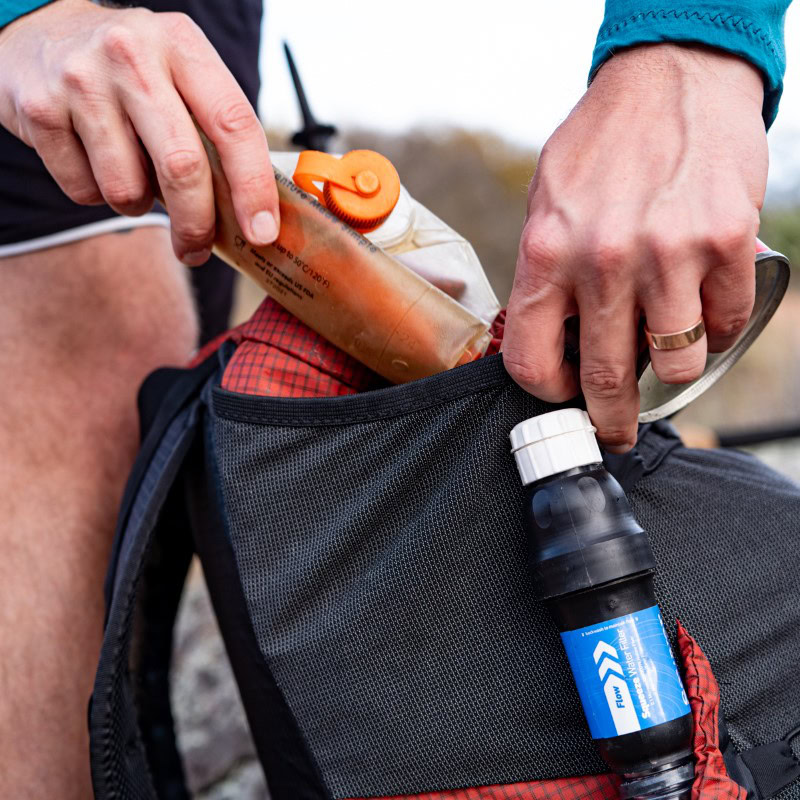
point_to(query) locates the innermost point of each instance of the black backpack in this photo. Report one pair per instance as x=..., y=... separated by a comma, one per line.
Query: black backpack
x=367, y=565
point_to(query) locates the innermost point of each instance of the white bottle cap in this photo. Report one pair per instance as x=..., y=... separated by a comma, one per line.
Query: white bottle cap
x=554, y=442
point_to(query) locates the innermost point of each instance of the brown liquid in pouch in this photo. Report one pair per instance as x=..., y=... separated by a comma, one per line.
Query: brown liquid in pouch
x=347, y=289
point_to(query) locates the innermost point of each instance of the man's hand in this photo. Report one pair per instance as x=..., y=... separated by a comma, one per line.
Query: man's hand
x=93, y=89
x=645, y=202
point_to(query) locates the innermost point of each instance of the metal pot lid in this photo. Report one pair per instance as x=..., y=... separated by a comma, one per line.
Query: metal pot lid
x=659, y=400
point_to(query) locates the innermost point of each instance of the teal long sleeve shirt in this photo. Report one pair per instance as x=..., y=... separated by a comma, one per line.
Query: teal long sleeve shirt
x=752, y=29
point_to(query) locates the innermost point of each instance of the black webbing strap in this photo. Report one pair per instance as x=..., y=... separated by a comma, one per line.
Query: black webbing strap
x=163, y=394
x=159, y=595
x=762, y=771
x=133, y=747
x=770, y=767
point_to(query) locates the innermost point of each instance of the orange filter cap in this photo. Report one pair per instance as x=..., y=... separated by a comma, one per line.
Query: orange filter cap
x=361, y=188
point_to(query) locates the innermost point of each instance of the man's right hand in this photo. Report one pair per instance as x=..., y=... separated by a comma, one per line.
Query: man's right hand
x=646, y=203
x=93, y=89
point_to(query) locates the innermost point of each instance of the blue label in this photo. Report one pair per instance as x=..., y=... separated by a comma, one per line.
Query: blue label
x=626, y=674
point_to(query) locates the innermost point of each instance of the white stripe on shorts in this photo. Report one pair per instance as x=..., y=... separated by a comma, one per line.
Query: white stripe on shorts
x=110, y=225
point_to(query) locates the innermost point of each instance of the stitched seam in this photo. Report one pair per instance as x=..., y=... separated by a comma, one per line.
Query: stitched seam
x=210, y=444
x=334, y=420
x=732, y=21
x=446, y=387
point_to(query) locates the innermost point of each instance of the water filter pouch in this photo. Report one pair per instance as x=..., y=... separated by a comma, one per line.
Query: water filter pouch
x=626, y=675
x=344, y=287
x=367, y=562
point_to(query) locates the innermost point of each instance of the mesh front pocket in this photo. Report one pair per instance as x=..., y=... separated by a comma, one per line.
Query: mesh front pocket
x=378, y=543
x=381, y=554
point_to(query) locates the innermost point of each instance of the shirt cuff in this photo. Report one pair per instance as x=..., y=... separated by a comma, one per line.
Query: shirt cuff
x=14, y=9
x=752, y=30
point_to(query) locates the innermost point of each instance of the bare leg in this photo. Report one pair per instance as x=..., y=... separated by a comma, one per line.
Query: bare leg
x=80, y=327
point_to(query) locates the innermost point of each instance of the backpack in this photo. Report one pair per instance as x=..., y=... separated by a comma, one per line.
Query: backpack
x=365, y=556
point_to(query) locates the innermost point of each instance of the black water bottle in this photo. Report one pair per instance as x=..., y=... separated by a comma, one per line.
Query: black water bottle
x=592, y=564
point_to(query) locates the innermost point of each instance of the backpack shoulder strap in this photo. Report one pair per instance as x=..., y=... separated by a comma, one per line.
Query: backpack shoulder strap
x=764, y=770
x=133, y=749
x=162, y=396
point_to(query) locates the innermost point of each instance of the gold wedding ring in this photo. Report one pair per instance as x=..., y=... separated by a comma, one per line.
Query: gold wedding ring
x=677, y=340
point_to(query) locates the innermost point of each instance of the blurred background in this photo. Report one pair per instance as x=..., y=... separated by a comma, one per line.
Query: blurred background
x=461, y=102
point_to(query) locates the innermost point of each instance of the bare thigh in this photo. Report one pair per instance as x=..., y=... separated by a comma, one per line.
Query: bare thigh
x=80, y=327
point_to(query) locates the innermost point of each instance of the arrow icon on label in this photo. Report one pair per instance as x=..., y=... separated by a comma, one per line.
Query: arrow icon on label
x=604, y=649
x=607, y=665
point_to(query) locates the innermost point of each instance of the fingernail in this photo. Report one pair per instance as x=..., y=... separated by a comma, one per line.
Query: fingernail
x=195, y=258
x=264, y=228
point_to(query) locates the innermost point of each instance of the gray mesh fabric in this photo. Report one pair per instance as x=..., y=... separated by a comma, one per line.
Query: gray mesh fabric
x=725, y=532
x=379, y=545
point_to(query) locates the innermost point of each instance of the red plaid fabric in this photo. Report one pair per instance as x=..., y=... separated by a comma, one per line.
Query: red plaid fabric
x=589, y=787
x=277, y=355
x=711, y=780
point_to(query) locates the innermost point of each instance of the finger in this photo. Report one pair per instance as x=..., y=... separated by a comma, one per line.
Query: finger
x=162, y=122
x=671, y=308
x=116, y=159
x=66, y=160
x=608, y=366
x=533, y=343
x=728, y=297
x=227, y=118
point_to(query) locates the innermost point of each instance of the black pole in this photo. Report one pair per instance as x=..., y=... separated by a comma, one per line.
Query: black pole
x=744, y=438
x=313, y=135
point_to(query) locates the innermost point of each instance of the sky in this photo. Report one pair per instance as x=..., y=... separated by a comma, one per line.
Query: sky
x=513, y=67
